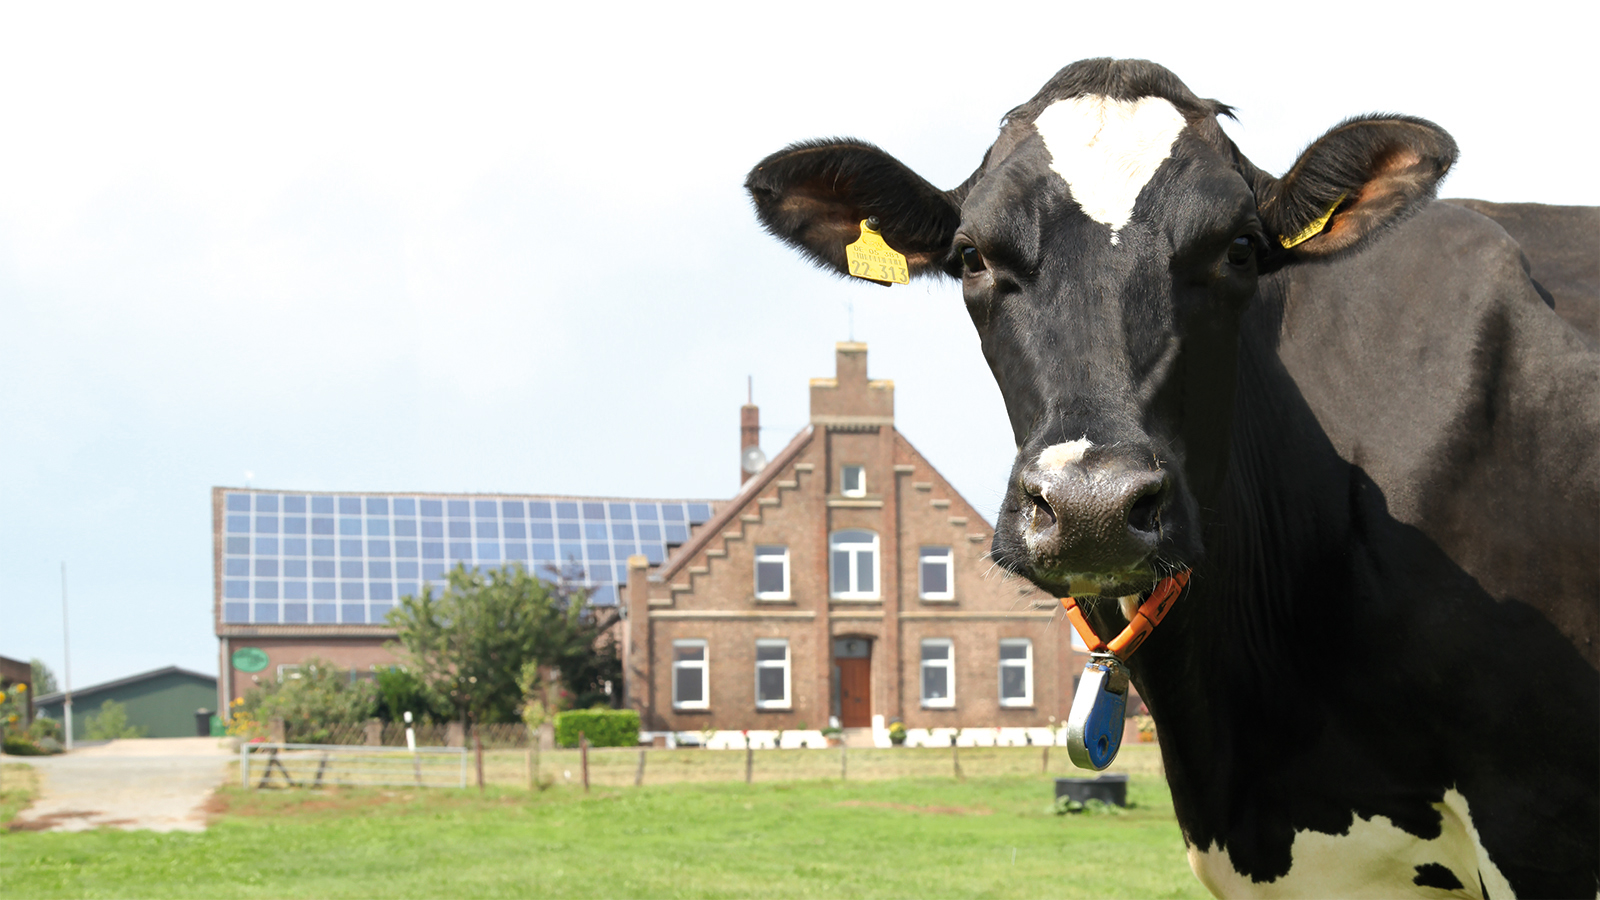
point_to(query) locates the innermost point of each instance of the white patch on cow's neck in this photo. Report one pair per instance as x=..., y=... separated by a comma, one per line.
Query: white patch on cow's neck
x=1375, y=859
x=1108, y=150
x=1056, y=457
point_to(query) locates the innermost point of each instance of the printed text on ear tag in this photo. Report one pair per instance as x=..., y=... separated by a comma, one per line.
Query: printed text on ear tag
x=870, y=258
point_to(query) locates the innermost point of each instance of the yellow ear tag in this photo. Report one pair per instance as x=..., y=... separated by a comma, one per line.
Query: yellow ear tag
x=870, y=258
x=1314, y=229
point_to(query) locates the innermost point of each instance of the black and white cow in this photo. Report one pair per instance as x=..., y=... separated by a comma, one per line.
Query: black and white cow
x=1377, y=450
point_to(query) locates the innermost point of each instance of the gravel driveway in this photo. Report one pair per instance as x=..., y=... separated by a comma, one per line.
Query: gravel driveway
x=160, y=784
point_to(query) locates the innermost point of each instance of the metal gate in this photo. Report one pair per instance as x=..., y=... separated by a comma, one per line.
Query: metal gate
x=319, y=765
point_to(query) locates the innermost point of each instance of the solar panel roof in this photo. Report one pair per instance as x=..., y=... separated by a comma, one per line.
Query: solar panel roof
x=336, y=559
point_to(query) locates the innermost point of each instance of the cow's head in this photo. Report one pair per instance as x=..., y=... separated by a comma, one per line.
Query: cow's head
x=1107, y=247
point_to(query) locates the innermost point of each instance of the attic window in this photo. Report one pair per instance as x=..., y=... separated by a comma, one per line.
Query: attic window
x=853, y=481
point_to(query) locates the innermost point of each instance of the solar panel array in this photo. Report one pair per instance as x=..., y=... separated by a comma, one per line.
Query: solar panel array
x=337, y=559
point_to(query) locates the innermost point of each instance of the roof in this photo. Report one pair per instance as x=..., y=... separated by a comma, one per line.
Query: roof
x=57, y=696
x=337, y=560
x=741, y=501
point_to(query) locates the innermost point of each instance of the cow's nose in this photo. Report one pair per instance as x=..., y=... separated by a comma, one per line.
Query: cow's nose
x=1093, y=520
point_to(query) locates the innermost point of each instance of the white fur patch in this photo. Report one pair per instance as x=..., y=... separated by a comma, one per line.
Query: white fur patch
x=1108, y=150
x=1375, y=859
x=1056, y=457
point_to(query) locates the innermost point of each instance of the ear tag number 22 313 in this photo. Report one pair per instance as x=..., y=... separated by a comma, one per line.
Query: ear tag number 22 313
x=870, y=258
x=1094, y=727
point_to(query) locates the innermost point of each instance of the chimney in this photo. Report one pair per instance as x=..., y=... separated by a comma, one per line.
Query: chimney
x=750, y=437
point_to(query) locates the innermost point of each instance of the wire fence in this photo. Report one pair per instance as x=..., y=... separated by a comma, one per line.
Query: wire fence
x=393, y=734
x=309, y=766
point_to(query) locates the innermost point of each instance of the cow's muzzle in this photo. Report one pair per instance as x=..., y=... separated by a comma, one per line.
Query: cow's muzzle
x=1099, y=523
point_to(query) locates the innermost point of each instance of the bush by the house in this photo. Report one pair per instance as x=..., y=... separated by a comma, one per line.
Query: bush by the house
x=310, y=700
x=602, y=727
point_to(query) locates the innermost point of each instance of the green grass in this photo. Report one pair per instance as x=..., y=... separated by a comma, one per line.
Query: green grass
x=989, y=836
x=18, y=785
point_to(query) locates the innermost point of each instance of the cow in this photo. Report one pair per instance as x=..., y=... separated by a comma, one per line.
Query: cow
x=1344, y=411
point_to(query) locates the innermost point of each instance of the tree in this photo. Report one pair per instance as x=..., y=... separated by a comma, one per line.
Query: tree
x=469, y=644
x=44, y=680
x=110, y=723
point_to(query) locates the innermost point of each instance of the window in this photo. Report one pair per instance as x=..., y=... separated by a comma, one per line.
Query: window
x=936, y=574
x=938, y=672
x=772, y=572
x=853, y=481
x=689, y=675
x=1016, y=672
x=772, y=674
x=853, y=564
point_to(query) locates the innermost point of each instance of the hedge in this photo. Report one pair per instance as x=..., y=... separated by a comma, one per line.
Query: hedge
x=602, y=727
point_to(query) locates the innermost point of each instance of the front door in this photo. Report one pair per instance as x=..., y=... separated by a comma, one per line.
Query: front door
x=855, y=692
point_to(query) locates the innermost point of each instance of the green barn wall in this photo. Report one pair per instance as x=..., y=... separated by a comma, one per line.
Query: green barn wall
x=164, y=705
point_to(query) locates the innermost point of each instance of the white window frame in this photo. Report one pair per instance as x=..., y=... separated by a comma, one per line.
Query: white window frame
x=783, y=664
x=764, y=554
x=703, y=664
x=949, y=593
x=1026, y=664
x=860, y=490
x=854, y=559
x=948, y=664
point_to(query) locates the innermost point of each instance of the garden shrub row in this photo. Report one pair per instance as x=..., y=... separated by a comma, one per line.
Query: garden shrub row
x=602, y=727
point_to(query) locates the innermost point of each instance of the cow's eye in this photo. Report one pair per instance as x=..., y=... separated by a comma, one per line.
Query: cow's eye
x=1241, y=250
x=971, y=259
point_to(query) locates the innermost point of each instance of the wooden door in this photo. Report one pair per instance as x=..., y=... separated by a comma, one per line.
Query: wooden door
x=855, y=692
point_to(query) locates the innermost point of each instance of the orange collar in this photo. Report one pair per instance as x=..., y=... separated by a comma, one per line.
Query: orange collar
x=1150, y=614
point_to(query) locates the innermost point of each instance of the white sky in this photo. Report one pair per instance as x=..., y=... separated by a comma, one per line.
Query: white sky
x=393, y=247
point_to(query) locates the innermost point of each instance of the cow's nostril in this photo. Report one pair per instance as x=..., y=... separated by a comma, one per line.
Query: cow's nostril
x=1145, y=513
x=1043, y=516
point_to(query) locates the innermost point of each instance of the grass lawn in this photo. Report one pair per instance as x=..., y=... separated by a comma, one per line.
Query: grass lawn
x=989, y=836
x=18, y=783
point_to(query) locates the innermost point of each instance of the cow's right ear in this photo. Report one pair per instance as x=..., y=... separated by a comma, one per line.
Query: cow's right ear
x=813, y=196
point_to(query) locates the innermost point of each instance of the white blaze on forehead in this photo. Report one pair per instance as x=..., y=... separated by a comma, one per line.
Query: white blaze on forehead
x=1059, y=456
x=1108, y=150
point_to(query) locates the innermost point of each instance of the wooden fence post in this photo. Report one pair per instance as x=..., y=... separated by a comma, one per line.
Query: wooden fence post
x=638, y=776
x=844, y=764
x=477, y=746
x=955, y=754
x=583, y=752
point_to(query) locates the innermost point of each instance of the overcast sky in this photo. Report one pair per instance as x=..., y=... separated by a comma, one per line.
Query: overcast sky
x=397, y=247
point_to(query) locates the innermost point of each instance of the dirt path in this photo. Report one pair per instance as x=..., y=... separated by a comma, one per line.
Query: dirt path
x=160, y=784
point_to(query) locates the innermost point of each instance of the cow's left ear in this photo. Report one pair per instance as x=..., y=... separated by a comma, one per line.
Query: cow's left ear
x=814, y=195
x=1361, y=176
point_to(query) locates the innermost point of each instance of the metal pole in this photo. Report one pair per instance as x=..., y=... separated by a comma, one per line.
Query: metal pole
x=66, y=654
x=955, y=754
x=638, y=777
x=843, y=760
x=749, y=760
x=244, y=765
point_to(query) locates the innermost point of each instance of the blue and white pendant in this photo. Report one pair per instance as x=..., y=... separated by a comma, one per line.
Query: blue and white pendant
x=1094, y=727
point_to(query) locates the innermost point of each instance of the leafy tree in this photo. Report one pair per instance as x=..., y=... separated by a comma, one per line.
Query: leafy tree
x=44, y=680
x=317, y=696
x=110, y=723
x=400, y=691
x=470, y=643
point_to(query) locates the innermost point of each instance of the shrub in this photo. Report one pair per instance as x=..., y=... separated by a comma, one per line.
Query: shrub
x=310, y=700
x=18, y=745
x=110, y=723
x=602, y=727
x=45, y=727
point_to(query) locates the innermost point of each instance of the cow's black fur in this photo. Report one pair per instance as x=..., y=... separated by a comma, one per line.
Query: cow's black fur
x=1382, y=451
